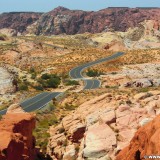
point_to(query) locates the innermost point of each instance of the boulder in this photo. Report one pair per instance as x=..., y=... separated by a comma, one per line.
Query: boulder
x=108, y=117
x=70, y=153
x=99, y=139
x=15, y=108
x=142, y=83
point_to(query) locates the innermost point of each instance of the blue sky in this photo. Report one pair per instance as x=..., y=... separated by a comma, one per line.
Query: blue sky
x=47, y=5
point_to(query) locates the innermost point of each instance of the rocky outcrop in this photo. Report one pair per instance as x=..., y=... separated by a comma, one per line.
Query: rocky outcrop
x=144, y=143
x=62, y=20
x=101, y=127
x=18, y=20
x=115, y=46
x=17, y=141
x=6, y=82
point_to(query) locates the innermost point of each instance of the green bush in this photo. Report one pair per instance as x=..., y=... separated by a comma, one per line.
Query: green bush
x=72, y=82
x=45, y=76
x=70, y=107
x=3, y=37
x=143, y=90
x=92, y=73
x=42, y=126
x=49, y=80
x=23, y=87
x=53, y=82
x=33, y=75
x=32, y=70
x=39, y=88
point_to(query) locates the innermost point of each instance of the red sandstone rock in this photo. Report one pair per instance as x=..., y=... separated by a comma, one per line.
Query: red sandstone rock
x=62, y=20
x=18, y=20
x=16, y=139
x=145, y=142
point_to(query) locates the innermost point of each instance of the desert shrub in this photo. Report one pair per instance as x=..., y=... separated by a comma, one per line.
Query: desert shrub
x=61, y=130
x=114, y=73
x=33, y=75
x=32, y=70
x=23, y=87
x=51, y=107
x=3, y=37
x=40, y=132
x=0, y=117
x=49, y=80
x=53, y=82
x=72, y=82
x=92, y=73
x=45, y=76
x=70, y=107
x=143, y=90
x=38, y=87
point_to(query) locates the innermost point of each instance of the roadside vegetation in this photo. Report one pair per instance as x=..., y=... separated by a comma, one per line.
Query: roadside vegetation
x=49, y=80
x=45, y=119
x=71, y=82
x=3, y=37
x=93, y=73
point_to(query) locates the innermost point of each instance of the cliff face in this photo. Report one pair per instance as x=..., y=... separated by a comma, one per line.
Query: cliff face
x=18, y=20
x=62, y=20
x=17, y=142
x=144, y=143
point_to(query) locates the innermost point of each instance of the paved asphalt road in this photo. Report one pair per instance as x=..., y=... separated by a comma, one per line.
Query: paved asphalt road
x=40, y=100
x=76, y=73
x=37, y=102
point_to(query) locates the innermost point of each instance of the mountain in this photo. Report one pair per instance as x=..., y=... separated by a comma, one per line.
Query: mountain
x=62, y=20
x=18, y=20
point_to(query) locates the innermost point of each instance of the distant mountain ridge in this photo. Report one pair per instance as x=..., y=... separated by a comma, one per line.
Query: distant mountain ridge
x=65, y=21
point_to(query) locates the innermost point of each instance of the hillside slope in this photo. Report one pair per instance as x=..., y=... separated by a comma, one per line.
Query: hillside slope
x=62, y=20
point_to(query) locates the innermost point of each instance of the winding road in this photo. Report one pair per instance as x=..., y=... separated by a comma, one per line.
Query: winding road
x=40, y=100
x=76, y=73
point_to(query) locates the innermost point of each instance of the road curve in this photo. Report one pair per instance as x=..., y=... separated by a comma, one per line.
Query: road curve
x=76, y=73
x=39, y=101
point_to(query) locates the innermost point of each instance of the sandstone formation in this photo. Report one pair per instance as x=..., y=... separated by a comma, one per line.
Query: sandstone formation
x=100, y=128
x=14, y=108
x=18, y=21
x=115, y=46
x=144, y=143
x=6, y=82
x=134, y=76
x=62, y=20
x=17, y=141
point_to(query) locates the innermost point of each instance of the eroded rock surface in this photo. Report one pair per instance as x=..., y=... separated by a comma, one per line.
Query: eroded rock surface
x=17, y=141
x=6, y=82
x=144, y=143
x=100, y=128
